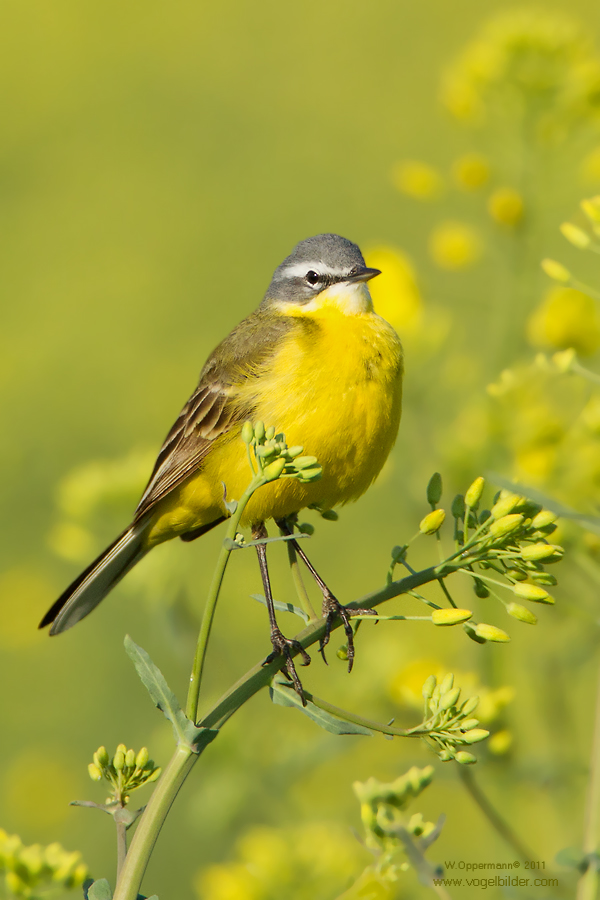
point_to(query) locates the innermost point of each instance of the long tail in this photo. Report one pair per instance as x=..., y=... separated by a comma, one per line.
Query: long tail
x=92, y=586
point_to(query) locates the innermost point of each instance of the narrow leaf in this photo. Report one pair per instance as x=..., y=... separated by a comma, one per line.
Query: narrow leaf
x=186, y=732
x=284, y=694
x=282, y=607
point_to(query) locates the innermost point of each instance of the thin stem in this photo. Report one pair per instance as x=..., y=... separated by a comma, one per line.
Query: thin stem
x=151, y=822
x=587, y=888
x=211, y=602
x=492, y=815
x=299, y=584
x=121, y=846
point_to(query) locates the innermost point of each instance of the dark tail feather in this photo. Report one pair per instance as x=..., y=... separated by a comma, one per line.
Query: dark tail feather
x=92, y=586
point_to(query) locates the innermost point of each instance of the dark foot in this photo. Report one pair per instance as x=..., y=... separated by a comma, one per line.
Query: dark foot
x=283, y=646
x=332, y=609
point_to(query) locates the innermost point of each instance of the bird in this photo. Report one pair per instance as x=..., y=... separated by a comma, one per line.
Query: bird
x=315, y=360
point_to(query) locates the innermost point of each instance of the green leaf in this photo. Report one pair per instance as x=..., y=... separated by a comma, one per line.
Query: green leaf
x=284, y=694
x=572, y=858
x=186, y=732
x=99, y=890
x=282, y=607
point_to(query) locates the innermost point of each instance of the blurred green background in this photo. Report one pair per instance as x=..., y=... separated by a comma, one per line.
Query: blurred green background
x=156, y=163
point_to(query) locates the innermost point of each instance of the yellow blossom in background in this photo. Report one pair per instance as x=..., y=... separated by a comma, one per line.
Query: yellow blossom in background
x=395, y=292
x=296, y=862
x=109, y=483
x=590, y=166
x=454, y=246
x=471, y=172
x=493, y=701
x=505, y=206
x=526, y=62
x=71, y=542
x=565, y=318
x=37, y=871
x=417, y=179
x=501, y=742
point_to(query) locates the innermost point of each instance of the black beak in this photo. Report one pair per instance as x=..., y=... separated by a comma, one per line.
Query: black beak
x=362, y=274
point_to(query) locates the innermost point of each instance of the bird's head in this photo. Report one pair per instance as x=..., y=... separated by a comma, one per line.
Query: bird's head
x=322, y=271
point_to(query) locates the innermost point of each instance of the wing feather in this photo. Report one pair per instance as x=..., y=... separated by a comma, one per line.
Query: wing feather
x=214, y=407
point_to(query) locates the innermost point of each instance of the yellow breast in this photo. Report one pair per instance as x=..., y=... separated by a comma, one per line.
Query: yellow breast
x=334, y=388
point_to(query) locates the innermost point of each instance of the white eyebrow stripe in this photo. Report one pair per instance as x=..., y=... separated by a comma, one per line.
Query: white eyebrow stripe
x=300, y=269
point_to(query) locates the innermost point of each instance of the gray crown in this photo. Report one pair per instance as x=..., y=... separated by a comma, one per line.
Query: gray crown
x=332, y=257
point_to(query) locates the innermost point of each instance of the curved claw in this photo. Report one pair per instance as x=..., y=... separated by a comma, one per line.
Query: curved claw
x=332, y=608
x=283, y=646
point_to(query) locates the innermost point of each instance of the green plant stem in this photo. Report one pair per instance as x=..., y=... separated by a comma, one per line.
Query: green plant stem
x=211, y=602
x=299, y=584
x=121, y=846
x=587, y=888
x=184, y=758
x=151, y=822
x=492, y=815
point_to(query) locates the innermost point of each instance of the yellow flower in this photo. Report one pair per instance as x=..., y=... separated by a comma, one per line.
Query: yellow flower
x=500, y=743
x=471, y=171
x=395, y=292
x=565, y=318
x=505, y=206
x=71, y=542
x=590, y=166
x=417, y=179
x=454, y=246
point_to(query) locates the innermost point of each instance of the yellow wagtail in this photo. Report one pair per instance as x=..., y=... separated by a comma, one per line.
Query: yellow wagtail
x=314, y=360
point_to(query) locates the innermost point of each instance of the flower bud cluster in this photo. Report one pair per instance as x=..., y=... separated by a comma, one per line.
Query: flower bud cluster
x=448, y=723
x=34, y=870
x=382, y=805
x=125, y=772
x=275, y=459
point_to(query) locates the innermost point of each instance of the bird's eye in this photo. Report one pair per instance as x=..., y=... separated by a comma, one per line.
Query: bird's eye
x=313, y=277
x=354, y=271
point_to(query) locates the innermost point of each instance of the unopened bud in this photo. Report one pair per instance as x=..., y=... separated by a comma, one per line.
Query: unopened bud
x=539, y=551
x=122, y=748
x=491, y=633
x=432, y=522
x=446, y=755
x=517, y=574
x=130, y=759
x=306, y=528
x=293, y=452
x=447, y=683
x=555, y=270
x=480, y=589
x=270, y=433
x=475, y=735
x=450, y=699
x=259, y=430
x=142, y=758
x=532, y=592
x=464, y=758
x=247, y=432
x=119, y=760
x=543, y=578
x=474, y=492
x=505, y=505
x=434, y=489
x=342, y=653
x=429, y=687
x=274, y=469
x=472, y=633
x=102, y=755
x=94, y=772
x=521, y=613
x=450, y=616
x=543, y=518
x=154, y=776
x=470, y=706
x=469, y=724
x=575, y=235
x=505, y=525
x=458, y=507
x=330, y=515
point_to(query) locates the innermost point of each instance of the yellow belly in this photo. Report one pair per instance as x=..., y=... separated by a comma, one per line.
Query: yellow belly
x=337, y=393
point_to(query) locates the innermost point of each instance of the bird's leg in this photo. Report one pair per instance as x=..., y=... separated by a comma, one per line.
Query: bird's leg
x=331, y=605
x=281, y=644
